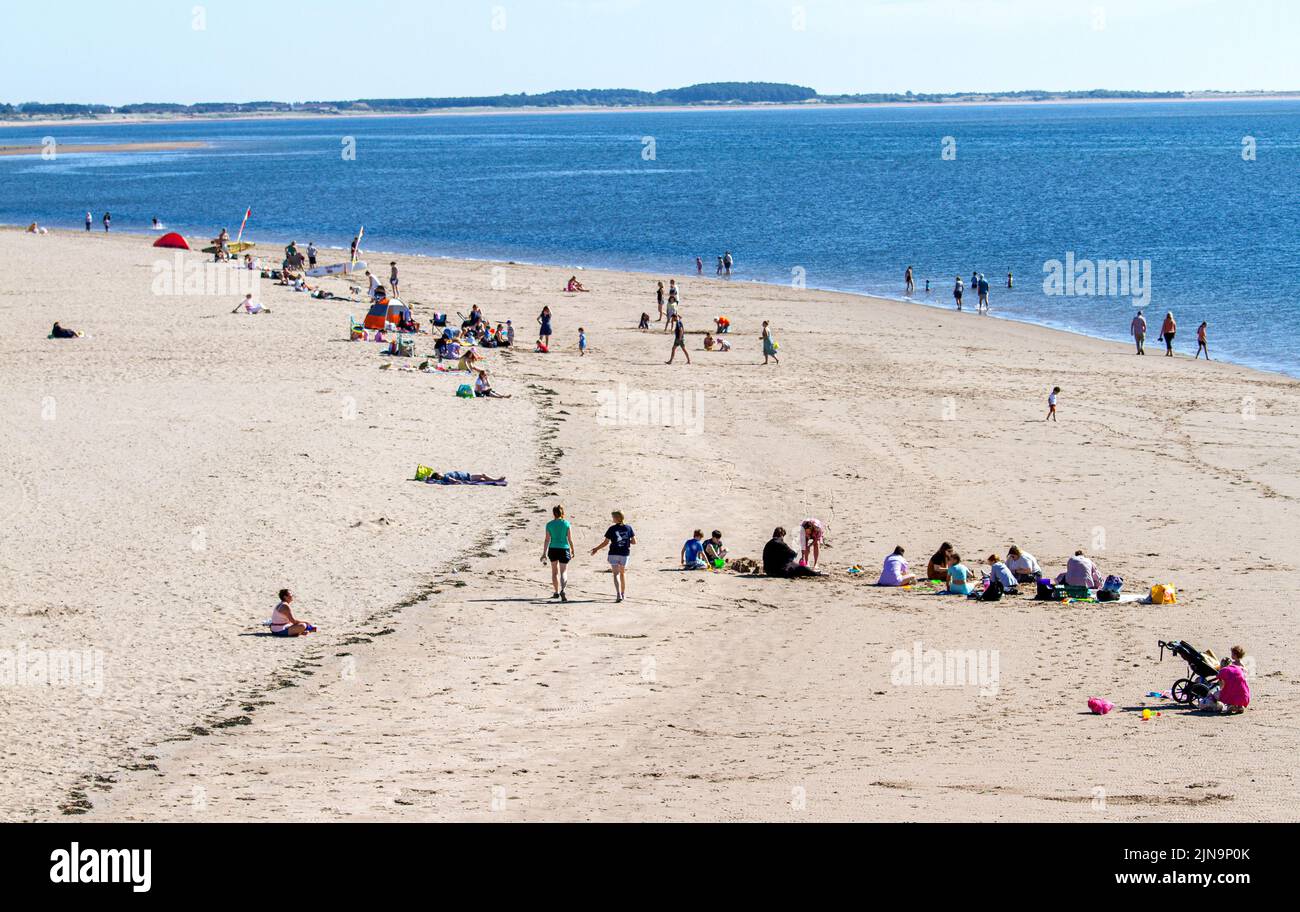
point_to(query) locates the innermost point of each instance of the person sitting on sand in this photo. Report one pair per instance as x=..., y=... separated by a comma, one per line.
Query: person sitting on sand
x=58, y=332
x=463, y=478
x=937, y=570
x=1234, y=692
x=714, y=550
x=693, y=552
x=896, y=573
x=812, y=538
x=248, y=305
x=779, y=559
x=959, y=576
x=1080, y=572
x=283, y=623
x=1024, y=567
x=1001, y=573
x=468, y=361
x=483, y=389
x=574, y=286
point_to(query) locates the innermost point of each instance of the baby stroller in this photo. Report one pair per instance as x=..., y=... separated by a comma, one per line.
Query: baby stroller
x=1203, y=679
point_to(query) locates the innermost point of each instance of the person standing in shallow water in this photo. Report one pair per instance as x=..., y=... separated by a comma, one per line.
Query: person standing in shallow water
x=1203, y=341
x=910, y=281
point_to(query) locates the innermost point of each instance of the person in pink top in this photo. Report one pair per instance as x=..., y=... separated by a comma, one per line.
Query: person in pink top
x=1234, y=692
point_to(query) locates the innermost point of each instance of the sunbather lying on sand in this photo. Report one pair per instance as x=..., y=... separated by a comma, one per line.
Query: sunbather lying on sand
x=464, y=478
x=58, y=332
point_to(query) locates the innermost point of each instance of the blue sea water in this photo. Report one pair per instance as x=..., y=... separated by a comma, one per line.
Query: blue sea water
x=845, y=198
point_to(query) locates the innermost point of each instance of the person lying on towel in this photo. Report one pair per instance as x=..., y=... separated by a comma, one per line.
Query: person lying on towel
x=464, y=478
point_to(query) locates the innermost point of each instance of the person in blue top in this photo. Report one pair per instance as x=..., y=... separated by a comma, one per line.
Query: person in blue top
x=619, y=539
x=544, y=333
x=558, y=549
x=959, y=576
x=693, y=552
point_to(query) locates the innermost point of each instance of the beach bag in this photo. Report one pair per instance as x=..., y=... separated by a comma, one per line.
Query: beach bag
x=466, y=391
x=423, y=473
x=1046, y=592
x=993, y=593
x=1162, y=594
x=1099, y=706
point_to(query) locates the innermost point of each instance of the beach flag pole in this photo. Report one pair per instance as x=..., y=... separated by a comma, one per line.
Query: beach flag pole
x=247, y=216
x=357, y=250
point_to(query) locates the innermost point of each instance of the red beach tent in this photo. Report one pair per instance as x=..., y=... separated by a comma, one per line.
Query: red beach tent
x=172, y=241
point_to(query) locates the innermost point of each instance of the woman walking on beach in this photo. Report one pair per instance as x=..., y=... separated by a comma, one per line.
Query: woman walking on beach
x=679, y=341
x=1167, y=332
x=619, y=539
x=544, y=334
x=1203, y=341
x=558, y=550
x=660, y=296
x=769, y=344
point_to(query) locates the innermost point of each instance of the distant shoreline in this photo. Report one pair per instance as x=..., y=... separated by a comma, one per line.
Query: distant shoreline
x=116, y=119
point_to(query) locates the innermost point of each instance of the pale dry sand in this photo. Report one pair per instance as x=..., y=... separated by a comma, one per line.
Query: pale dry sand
x=704, y=697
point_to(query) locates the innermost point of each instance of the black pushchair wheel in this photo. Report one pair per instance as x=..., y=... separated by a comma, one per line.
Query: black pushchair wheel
x=1184, y=692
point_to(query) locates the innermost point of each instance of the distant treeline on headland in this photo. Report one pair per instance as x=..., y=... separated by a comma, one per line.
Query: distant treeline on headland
x=714, y=93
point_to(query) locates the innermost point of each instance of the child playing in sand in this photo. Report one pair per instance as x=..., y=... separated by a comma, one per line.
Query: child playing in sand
x=812, y=538
x=645, y=322
x=693, y=552
x=283, y=623
x=958, y=576
x=1051, y=404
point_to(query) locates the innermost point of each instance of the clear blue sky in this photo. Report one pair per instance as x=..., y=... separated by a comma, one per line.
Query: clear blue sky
x=149, y=50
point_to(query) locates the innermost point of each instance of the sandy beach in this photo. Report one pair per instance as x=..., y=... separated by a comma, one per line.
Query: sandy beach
x=163, y=476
